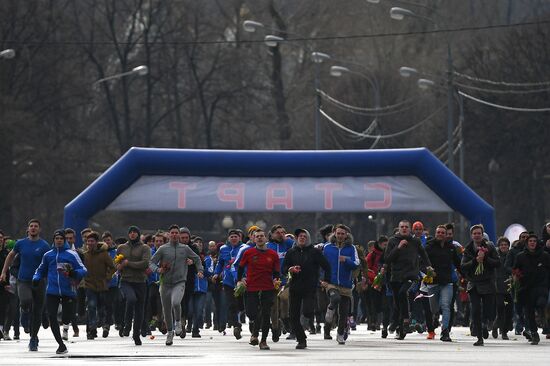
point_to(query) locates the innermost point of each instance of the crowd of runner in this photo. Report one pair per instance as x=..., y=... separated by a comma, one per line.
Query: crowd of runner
x=174, y=283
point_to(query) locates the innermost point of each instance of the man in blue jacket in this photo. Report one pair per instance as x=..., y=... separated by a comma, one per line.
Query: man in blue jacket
x=226, y=271
x=63, y=268
x=279, y=311
x=343, y=259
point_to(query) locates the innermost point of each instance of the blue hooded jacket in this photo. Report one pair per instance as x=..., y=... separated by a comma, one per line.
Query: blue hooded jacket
x=59, y=284
x=227, y=256
x=281, y=249
x=342, y=272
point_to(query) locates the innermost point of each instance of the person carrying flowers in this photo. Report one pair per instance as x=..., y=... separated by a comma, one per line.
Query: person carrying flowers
x=479, y=261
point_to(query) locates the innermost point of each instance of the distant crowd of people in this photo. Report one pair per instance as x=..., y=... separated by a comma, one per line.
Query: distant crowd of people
x=176, y=284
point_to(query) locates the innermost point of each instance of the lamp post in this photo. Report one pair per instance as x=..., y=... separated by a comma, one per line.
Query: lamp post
x=317, y=58
x=338, y=71
x=141, y=70
x=399, y=13
x=7, y=53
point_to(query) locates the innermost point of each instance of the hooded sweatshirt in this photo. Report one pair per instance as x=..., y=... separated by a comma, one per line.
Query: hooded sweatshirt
x=310, y=261
x=55, y=261
x=100, y=268
x=341, y=272
x=535, y=269
x=174, y=256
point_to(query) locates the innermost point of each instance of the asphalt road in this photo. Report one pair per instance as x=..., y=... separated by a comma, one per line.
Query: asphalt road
x=363, y=346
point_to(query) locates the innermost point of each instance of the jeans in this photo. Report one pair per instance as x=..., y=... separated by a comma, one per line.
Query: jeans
x=94, y=300
x=197, y=310
x=441, y=300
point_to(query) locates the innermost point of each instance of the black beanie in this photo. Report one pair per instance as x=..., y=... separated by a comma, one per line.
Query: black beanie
x=134, y=228
x=59, y=232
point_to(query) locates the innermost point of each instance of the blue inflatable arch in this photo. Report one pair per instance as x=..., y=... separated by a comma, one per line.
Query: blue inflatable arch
x=140, y=162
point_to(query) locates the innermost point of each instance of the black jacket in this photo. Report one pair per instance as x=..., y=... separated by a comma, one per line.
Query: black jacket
x=502, y=273
x=513, y=253
x=405, y=262
x=484, y=282
x=535, y=268
x=442, y=259
x=310, y=260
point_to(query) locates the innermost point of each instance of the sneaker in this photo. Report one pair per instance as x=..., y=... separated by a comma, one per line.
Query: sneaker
x=105, y=333
x=170, y=338
x=253, y=341
x=291, y=336
x=275, y=335
x=264, y=346
x=237, y=332
x=329, y=316
x=195, y=335
x=65, y=335
x=340, y=338
x=505, y=336
x=494, y=333
x=445, y=337
x=178, y=328
x=137, y=340
x=431, y=335
x=527, y=335
x=352, y=323
x=33, y=345
x=61, y=350
x=301, y=345
x=535, y=339
x=384, y=333
x=479, y=342
x=327, y=332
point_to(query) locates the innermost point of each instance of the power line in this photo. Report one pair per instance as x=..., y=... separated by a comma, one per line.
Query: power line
x=402, y=132
x=502, y=83
x=500, y=106
x=502, y=91
x=287, y=40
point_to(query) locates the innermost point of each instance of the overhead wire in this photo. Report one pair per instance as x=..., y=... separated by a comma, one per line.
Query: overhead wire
x=505, y=107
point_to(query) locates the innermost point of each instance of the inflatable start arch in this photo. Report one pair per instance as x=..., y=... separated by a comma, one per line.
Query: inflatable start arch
x=146, y=179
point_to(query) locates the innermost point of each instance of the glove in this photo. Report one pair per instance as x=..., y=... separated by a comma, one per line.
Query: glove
x=35, y=283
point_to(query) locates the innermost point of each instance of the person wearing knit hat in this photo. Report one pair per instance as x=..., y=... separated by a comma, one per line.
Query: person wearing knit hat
x=61, y=266
x=134, y=228
x=133, y=278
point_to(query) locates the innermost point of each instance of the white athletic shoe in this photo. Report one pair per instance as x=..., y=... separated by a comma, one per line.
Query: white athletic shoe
x=178, y=328
x=169, y=337
x=340, y=339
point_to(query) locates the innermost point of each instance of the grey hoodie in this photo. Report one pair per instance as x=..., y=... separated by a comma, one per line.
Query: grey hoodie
x=175, y=256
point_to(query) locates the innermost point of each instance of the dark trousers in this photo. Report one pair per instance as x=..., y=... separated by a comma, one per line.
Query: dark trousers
x=146, y=310
x=154, y=310
x=533, y=299
x=12, y=313
x=67, y=309
x=232, y=306
x=374, y=305
x=505, y=313
x=258, y=309
x=110, y=301
x=134, y=293
x=401, y=299
x=31, y=300
x=321, y=304
x=483, y=310
x=300, y=302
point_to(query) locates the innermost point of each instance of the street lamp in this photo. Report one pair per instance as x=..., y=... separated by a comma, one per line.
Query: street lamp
x=141, y=70
x=399, y=13
x=7, y=53
x=250, y=26
x=317, y=57
x=227, y=222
